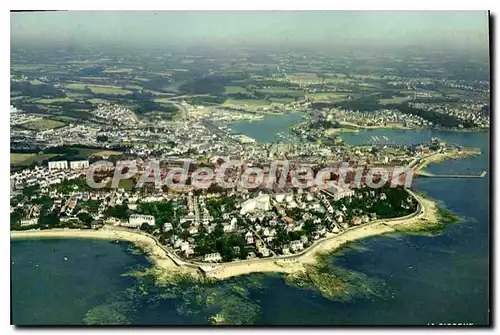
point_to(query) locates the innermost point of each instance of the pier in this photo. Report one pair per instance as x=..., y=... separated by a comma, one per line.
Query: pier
x=432, y=175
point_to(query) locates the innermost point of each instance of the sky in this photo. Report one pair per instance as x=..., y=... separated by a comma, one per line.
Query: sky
x=468, y=29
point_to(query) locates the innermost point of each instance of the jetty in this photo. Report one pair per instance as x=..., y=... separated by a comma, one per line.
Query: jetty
x=423, y=173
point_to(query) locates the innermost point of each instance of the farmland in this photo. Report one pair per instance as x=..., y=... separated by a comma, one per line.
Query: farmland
x=235, y=89
x=393, y=100
x=118, y=70
x=97, y=89
x=50, y=101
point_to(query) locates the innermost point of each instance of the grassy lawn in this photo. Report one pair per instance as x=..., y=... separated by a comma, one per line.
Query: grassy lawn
x=50, y=101
x=43, y=124
x=24, y=159
x=126, y=184
x=17, y=159
x=235, y=89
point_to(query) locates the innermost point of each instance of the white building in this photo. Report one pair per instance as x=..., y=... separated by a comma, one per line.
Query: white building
x=264, y=251
x=215, y=257
x=262, y=202
x=29, y=222
x=296, y=245
x=55, y=165
x=192, y=230
x=338, y=192
x=77, y=165
x=136, y=221
x=167, y=226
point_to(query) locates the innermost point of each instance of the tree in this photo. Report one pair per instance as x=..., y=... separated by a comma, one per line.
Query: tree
x=120, y=212
x=146, y=227
x=49, y=220
x=85, y=218
x=15, y=219
x=30, y=190
x=218, y=230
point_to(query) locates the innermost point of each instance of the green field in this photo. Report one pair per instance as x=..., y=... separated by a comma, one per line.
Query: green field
x=50, y=101
x=126, y=184
x=21, y=159
x=235, y=89
x=164, y=100
x=101, y=89
x=64, y=119
x=328, y=96
x=43, y=124
x=75, y=86
x=75, y=95
x=118, y=70
x=97, y=89
x=282, y=100
x=135, y=87
x=96, y=101
x=36, y=82
x=367, y=85
x=25, y=67
x=27, y=159
x=393, y=100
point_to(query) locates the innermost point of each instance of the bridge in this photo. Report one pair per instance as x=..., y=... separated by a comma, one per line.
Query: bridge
x=422, y=173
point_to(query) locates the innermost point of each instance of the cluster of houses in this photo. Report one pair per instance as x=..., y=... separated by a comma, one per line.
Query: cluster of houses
x=115, y=114
x=260, y=215
x=31, y=219
x=55, y=173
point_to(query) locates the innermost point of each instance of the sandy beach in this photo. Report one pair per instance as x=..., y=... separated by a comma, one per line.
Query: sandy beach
x=426, y=214
x=154, y=252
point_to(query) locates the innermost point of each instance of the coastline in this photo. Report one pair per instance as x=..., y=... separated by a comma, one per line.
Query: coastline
x=436, y=158
x=167, y=264
x=153, y=252
x=427, y=214
x=401, y=127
